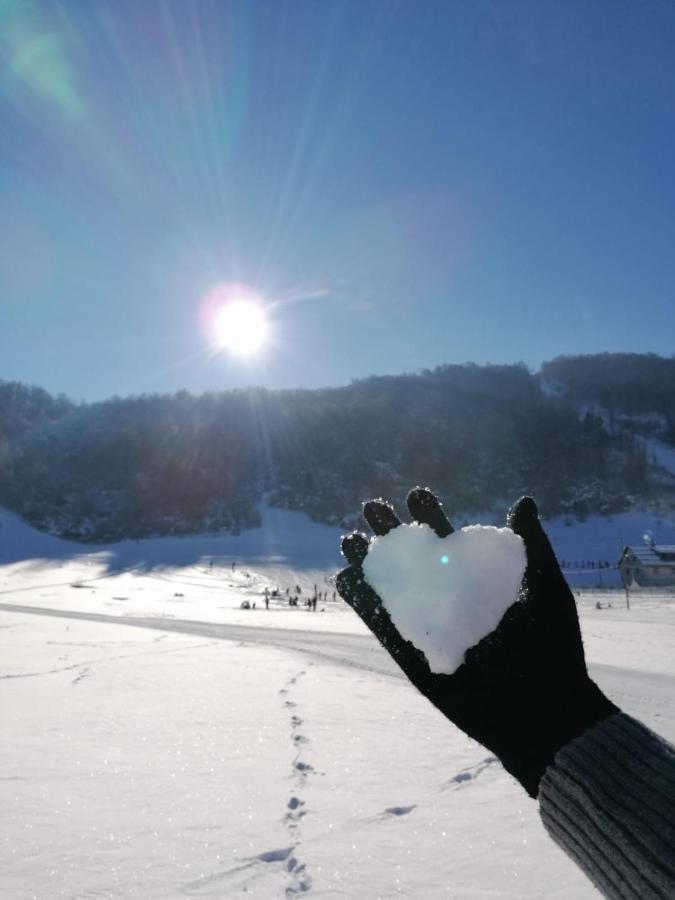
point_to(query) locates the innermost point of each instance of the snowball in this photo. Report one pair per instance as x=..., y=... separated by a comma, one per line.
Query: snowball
x=446, y=594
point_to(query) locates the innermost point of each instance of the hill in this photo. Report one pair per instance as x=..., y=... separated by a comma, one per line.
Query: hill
x=574, y=435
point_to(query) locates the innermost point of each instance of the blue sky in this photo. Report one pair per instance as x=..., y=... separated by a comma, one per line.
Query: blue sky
x=404, y=183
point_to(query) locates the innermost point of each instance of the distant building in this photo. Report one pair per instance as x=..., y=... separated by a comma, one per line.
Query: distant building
x=649, y=565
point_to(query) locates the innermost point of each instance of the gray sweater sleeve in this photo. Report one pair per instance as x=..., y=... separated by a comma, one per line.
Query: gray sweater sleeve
x=609, y=801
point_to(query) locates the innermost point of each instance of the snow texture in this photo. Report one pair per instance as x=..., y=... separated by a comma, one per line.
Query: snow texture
x=446, y=594
x=154, y=738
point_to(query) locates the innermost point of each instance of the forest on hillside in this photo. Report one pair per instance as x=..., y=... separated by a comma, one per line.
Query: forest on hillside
x=637, y=389
x=481, y=435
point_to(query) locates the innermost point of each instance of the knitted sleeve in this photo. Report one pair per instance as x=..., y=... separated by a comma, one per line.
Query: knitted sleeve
x=609, y=801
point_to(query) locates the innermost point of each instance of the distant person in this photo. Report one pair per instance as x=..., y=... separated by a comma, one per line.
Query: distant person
x=234, y=565
x=267, y=599
x=604, y=782
x=211, y=566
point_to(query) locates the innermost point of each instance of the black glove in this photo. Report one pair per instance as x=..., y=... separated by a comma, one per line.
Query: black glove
x=523, y=691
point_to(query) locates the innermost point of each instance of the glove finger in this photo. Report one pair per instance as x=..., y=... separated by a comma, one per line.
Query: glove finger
x=523, y=519
x=354, y=548
x=543, y=583
x=354, y=589
x=546, y=591
x=425, y=507
x=380, y=516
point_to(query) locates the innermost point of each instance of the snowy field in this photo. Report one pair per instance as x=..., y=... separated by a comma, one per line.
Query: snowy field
x=161, y=742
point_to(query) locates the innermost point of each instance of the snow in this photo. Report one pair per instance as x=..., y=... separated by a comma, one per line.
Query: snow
x=287, y=539
x=446, y=594
x=153, y=765
x=661, y=453
x=164, y=746
x=600, y=539
x=290, y=545
x=188, y=577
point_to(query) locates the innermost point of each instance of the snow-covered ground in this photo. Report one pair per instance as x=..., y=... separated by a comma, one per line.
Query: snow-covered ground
x=600, y=539
x=160, y=742
x=290, y=549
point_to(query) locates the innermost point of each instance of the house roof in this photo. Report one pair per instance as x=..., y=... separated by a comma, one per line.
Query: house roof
x=651, y=556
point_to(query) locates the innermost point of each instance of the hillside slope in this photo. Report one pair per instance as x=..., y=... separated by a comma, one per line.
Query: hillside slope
x=480, y=435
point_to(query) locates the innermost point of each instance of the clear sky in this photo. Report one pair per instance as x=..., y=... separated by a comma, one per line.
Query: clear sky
x=403, y=183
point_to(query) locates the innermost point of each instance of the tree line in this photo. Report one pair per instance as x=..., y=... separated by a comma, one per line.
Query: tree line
x=178, y=463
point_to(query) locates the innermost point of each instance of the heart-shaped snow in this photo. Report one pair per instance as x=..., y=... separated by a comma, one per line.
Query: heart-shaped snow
x=446, y=594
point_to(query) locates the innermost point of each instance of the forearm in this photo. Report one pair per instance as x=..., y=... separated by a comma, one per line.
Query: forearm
x=609, y=801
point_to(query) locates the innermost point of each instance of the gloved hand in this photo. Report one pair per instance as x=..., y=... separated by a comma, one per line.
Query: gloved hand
x=523, y=691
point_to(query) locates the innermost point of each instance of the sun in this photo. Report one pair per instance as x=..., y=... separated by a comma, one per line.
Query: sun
x=240, y=327
x=234, y=317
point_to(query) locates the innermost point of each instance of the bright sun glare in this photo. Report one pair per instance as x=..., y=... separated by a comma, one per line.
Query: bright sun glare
x=241, y=327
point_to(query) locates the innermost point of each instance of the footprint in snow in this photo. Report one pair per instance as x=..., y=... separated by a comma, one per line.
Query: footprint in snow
x=399, y=810
x=81, y=676
x=303, y=767
x=275, y=855
x=471, y=773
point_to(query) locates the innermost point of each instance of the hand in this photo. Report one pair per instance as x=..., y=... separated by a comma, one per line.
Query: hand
x=523, y=691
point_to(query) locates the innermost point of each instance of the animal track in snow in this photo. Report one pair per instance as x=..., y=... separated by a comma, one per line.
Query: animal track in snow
x=295, y=812
x=299, y=882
